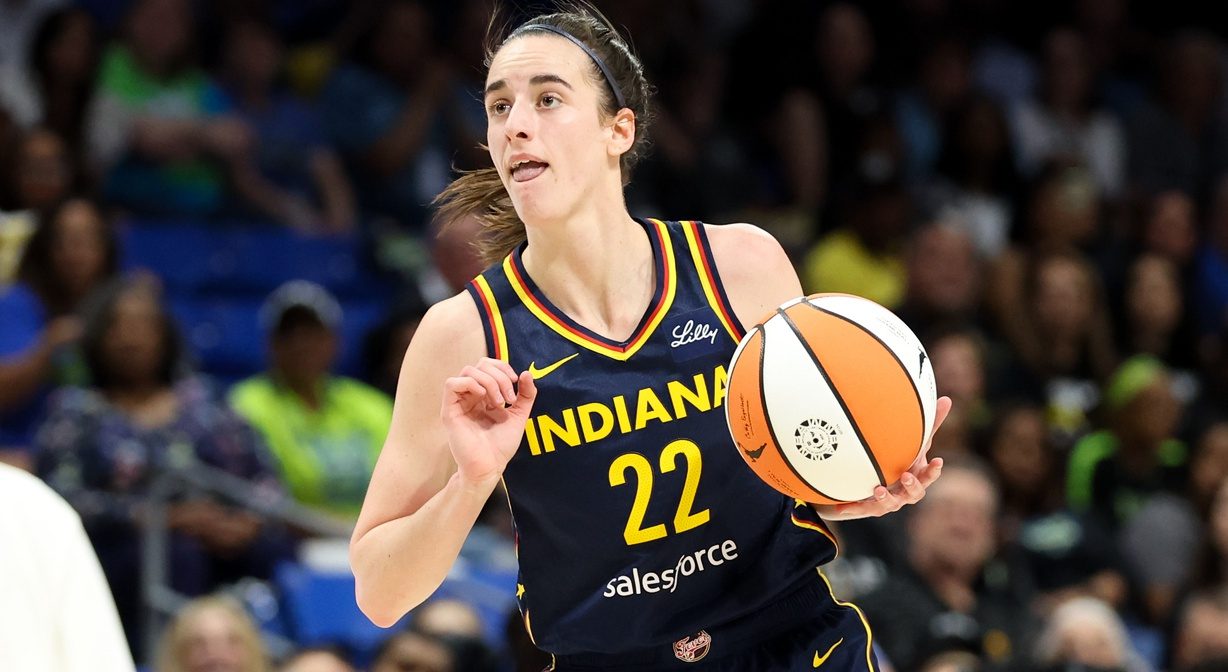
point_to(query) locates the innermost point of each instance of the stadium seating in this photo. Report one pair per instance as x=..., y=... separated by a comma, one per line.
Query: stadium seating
x=319, y=607
x=216, y=277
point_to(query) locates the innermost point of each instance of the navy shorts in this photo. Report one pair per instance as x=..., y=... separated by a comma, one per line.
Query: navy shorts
x=806, y=630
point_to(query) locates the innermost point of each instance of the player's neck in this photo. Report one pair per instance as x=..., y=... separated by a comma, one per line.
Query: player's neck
x=598, y=269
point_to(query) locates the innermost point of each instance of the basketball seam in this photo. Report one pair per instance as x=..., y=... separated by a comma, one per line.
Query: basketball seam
x=836, y=393
x=767, y=417
x=907, y=376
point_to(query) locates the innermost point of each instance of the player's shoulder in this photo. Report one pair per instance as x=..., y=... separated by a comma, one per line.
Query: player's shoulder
x=754, y=269
x=452, y=317
x=743, y=249
x=452, y=327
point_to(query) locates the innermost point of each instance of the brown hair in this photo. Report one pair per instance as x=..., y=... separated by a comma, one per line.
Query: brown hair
x=40, y=274
x=481, y=192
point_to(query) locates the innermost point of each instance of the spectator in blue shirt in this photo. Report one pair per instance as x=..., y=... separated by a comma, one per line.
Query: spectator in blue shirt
x=293, y=176
x=388, y=112
x=72, y=252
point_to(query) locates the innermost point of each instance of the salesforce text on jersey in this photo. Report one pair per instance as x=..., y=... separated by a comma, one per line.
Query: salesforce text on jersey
x=667, y=580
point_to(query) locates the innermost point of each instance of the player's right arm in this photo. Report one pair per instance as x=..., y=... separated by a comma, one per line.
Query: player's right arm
x=457, y=421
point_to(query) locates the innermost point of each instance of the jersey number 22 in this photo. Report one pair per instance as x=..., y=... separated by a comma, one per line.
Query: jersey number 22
x=684, y=518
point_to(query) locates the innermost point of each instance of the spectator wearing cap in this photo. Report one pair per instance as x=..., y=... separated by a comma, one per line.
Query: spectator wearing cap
x=325, y=431
x=1133, y=475
x=1112, y=472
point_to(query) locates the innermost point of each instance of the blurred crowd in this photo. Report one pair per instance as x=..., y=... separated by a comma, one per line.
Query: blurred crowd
x=1039, y=189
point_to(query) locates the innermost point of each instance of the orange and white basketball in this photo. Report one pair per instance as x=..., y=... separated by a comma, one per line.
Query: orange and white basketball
x=829, y=397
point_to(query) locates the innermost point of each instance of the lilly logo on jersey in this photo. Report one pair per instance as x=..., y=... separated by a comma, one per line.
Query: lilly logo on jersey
x=693, y=649
x=695, y=334
x=691, y=332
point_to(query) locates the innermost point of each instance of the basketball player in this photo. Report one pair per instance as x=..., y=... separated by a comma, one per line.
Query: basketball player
x=585, y=369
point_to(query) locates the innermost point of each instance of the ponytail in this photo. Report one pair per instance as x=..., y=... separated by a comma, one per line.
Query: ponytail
x=481, y=194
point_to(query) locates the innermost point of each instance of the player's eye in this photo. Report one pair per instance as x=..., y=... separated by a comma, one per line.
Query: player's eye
x=549, y=100
x=498, y=108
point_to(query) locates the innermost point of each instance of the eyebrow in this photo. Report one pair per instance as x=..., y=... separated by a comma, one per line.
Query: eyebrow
x=534, y=80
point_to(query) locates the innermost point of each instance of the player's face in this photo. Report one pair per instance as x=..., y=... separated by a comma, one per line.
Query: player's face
x=547, y=136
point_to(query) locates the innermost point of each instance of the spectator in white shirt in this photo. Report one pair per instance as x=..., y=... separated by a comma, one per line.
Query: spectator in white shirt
x=57, y=614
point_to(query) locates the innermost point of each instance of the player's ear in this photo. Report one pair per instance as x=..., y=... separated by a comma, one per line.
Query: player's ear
x=622, y=132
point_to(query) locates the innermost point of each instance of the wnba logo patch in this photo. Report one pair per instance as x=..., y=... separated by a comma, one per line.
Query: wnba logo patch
x=817, y=439
x=693, y=649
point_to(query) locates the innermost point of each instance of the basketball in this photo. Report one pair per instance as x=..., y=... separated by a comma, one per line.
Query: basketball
x=829, y=397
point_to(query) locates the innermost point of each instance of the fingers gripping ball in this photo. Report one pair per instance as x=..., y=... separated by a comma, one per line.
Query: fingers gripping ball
x=831, y=396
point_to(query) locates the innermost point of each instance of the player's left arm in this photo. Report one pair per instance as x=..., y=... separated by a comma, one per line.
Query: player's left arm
x=758, y=276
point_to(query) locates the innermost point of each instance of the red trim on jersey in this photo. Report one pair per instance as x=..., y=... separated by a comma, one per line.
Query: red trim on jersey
x=718, y=289
x=663, y=285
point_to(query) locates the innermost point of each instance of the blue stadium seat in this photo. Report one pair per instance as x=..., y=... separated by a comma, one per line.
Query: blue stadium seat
x=223, y=335
x=246, y=260
x=320, y=609
x=319, y=606
x=259, y=260
x=180, y=253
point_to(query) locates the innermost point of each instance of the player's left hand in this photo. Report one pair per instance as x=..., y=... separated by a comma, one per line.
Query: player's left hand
x=909, y=490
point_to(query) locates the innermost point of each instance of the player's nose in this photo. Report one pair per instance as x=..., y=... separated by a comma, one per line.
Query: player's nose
x=521, y=122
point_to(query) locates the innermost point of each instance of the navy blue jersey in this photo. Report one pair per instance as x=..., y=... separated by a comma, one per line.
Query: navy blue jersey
x=637, y=522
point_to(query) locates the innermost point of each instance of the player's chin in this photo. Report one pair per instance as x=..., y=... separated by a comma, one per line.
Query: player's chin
x=535, y=204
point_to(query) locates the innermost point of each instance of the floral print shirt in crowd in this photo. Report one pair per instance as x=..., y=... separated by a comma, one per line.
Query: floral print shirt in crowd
x=103, y=463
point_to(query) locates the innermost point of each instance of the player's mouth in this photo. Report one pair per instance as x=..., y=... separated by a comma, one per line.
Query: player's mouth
x=525, y=168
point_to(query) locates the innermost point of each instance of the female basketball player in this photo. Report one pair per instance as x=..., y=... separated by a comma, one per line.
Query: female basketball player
x=586, y=370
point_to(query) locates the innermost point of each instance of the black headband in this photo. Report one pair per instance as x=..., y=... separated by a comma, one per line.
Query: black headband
x=609, y=78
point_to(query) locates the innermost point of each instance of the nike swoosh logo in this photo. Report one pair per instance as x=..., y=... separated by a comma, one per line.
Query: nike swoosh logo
x=538, y=374
x=819, y=660
x=754, y=454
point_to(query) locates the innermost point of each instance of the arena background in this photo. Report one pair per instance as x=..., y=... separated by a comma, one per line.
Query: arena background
x=193, y=194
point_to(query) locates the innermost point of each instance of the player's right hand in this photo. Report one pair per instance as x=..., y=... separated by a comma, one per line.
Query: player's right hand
x=485, y=409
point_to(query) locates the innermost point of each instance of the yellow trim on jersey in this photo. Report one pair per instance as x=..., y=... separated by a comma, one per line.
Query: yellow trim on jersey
x=667, y=300
x=860, y=614
x=697, y=256
x=496, y=319
x=817, y=527
x=528, y=627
